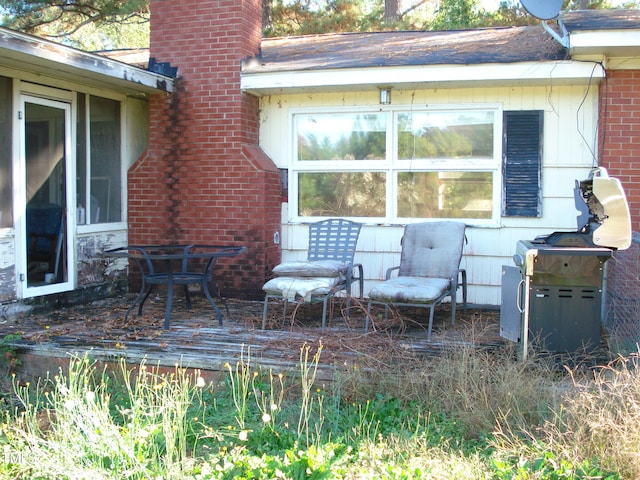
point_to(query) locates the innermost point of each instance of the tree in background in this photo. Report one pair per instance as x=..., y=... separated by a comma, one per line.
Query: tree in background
x=305, y=17
x=109, y=24
x=456, y=15
x=86, y=24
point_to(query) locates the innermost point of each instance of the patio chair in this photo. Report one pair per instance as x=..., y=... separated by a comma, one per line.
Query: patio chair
x=329, y=268
x=428, y=272
x=44, y=240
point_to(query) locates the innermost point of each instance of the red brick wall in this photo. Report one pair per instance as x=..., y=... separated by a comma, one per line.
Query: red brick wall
x=203, y=178
x=619, y=141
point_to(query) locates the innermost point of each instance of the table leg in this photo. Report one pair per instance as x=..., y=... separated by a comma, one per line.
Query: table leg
x=167, y=310
x=187, y=296
x=126, y=315
x=140, y=295
x=221, y=298
x=205, y=289
x=144, y=299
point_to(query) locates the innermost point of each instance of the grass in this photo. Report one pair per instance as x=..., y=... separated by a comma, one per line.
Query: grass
x=466, y=414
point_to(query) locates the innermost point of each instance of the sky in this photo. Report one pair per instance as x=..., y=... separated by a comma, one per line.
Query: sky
x=491, y=5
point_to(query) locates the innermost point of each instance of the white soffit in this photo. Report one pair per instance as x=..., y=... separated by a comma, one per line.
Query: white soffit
x=612, y=43
x=431, y=76
x=49, y=59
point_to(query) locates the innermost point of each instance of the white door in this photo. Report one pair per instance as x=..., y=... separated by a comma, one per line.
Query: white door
x=43, y=198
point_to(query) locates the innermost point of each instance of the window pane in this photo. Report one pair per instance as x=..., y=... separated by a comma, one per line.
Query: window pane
x=341, y=136
x=445, y=194
x=6, y=205
x=81, y=159
x=445, y=134
x=347, y=194
x=105, y=199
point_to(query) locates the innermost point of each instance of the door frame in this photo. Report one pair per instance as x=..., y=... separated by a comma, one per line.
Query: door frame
x=65, y=101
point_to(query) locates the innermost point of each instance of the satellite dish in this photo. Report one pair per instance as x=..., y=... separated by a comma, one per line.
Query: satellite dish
x=542, y=9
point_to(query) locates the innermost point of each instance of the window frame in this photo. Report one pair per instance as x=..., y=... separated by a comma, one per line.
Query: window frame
x=6, y=156
x=89, y=227
x=391, y=165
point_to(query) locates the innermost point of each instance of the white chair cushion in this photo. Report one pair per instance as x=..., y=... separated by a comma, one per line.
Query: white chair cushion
x=290, y=287
x=409, y=290
x=317, y=268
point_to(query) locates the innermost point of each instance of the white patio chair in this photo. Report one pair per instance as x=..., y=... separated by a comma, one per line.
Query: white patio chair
x=329, y=268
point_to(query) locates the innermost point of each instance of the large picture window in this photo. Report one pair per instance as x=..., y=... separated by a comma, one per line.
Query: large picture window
x=397, y=165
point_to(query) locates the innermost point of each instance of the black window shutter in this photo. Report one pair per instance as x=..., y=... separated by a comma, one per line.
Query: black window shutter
x=522, y=163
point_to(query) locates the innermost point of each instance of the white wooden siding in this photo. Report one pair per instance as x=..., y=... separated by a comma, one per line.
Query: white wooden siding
x=570, y=140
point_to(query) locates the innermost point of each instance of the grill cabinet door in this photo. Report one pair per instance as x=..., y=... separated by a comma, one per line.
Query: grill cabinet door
x=510, y=313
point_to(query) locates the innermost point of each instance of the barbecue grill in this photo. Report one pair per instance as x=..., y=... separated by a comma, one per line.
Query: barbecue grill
x=552, y=299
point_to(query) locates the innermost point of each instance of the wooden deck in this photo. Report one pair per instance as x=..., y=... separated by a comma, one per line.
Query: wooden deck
x=196, y=341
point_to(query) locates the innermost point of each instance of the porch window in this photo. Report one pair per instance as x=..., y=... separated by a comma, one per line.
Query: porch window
x=6, y=198
x=397, y=165
x=99, y=160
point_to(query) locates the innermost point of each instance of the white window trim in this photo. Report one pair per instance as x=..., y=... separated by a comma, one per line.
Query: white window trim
x=391, y=165
x=122, y=223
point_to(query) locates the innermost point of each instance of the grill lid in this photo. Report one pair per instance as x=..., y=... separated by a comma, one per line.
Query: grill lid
x=609, y=222
x=603, y=220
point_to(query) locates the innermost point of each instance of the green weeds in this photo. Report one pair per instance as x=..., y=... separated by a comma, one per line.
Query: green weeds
x=9, y=359
x=466, y=414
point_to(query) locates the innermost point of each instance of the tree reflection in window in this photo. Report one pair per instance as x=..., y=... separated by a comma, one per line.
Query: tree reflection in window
x=344, y=194
x=445, y=194
x=341, y=136
x=445, y=134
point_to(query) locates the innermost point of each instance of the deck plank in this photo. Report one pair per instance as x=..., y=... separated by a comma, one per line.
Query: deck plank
x=195, y=340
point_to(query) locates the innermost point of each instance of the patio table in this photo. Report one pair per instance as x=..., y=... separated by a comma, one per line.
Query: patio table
x=172, y=265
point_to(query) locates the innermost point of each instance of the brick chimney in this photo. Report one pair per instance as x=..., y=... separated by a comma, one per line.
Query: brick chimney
x=203, y=178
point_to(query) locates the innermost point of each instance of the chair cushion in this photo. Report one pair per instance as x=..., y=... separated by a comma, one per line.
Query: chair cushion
x=316, y=268
x=410, y=290
x=291, y=287
x=431, y=249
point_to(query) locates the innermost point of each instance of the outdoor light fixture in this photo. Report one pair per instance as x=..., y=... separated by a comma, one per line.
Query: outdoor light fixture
x=385, y=95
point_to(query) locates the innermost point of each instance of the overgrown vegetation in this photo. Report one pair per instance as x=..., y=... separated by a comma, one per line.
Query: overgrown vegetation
x=466, y=414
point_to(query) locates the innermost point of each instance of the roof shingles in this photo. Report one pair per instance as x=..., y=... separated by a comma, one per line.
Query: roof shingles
x=406, y=48
x=410, y=48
